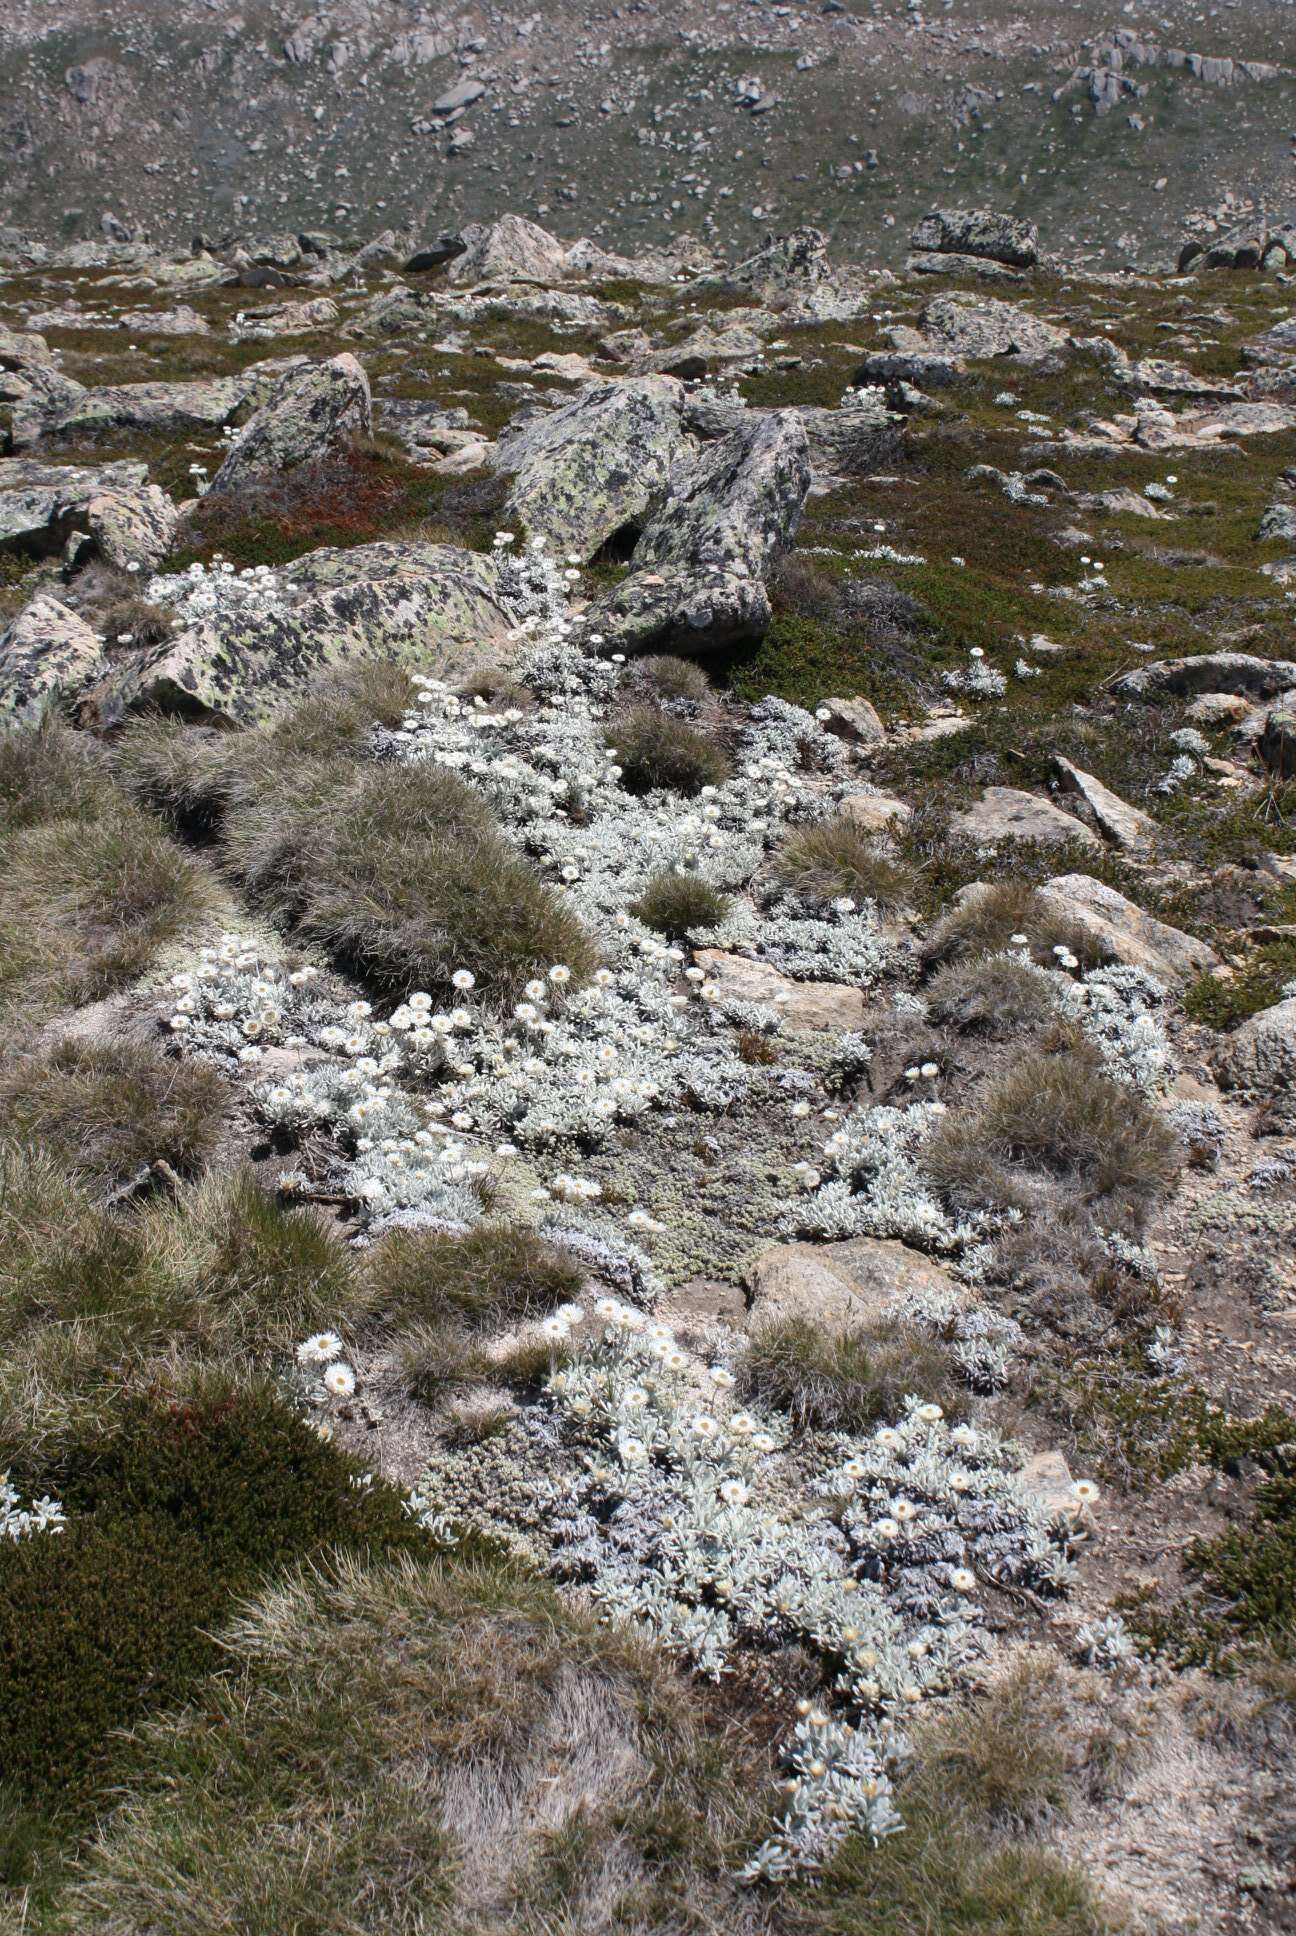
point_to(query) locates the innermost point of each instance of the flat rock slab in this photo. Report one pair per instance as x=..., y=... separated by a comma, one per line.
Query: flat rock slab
x=805, y=1004
x=978, y=326
x=427, y=606
x=837, y=1286
x=979, y=232
x=1004, y=813
x=1215, y=672
x=48, y=653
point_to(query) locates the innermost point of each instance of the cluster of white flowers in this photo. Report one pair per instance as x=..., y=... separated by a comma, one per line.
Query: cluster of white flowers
x=1180, y=770
x=869, y=1183
x=977, y=679
x=320, y=1360
x=219, y=590
x=682, y=1514
x=1117, y=1008
x=17, y=1521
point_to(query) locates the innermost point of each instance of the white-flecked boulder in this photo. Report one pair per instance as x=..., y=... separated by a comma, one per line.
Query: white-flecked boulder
x=595, y=467
x=46, y=654
x=838, y=1286
x=314, y=411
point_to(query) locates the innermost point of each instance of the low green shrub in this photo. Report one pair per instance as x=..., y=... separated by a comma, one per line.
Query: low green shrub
x=678, y=905
x=171, y=1513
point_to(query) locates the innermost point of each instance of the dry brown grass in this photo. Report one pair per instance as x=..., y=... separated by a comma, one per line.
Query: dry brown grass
x=1059, y=1119
x=834, y=859
x=846, y=1381
x=987, y=921
x=108, y=1108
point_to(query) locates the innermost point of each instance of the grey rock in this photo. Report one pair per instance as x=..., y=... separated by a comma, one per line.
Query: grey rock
x=1126, y=826
x=22, y=349
x=42, y=504
x=979, y=232
x=587, y=471
x=1279, y=521
x=1278, y=738
x=699, y=568
x=132, y=528
x=920, y=263
x=313, y=412
x=66, y=412
x=1259, y=1057
x=180, y=321
x=1125, y=933
x=430, y=606
x=285, y=319
x=858, y=438
x=979, y=326
x=510, y=250
x=854, y=720
x=47, y=654
x=875, y=813
x=462, y=95
x=1217, y=672
x=1004, y=813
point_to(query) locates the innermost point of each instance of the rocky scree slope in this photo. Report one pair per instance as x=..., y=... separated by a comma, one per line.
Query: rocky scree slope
x=649, y=963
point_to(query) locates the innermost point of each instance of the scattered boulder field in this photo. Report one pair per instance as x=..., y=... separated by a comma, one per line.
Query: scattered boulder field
x=648, y=947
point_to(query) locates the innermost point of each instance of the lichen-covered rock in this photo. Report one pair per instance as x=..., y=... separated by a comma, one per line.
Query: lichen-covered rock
x=45, y=393
x=978, y=232
x=1259, y=1057
x=22, y=350
x=838, y=1286
x=132, y=527
x=46, y=654
x=1005, y=813
x=313, y=411
x=426, y=606
x=737, y=509
x=700, y=566
x=978, y=267
x=41, y=504
x=587, y=471
x=785, y=265
x=66, y=413
x=857, y=438
x=285, y=319
x=978, y=326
